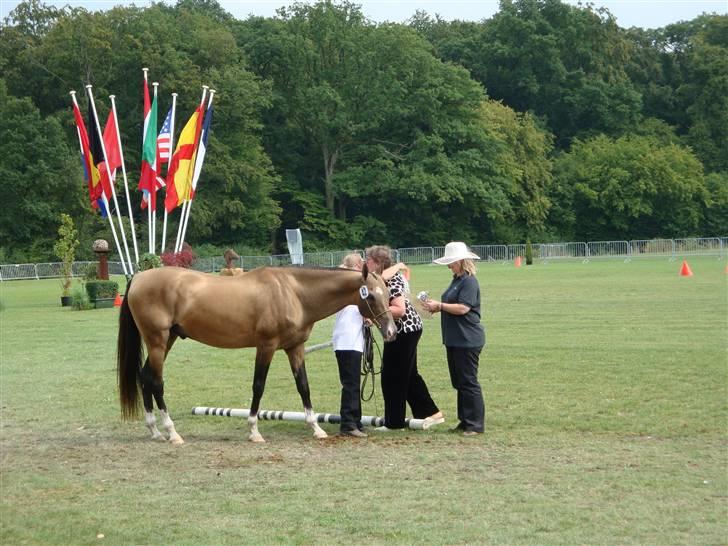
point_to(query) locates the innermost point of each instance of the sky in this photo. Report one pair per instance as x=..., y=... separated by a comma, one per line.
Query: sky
x=640, y=13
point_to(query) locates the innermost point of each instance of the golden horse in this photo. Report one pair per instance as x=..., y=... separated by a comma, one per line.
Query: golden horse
x=267, y=308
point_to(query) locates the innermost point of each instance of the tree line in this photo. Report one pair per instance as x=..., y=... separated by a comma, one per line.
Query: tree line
x=545, y=122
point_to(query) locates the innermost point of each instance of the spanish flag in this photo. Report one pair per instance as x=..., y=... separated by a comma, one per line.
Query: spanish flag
x=182, y=166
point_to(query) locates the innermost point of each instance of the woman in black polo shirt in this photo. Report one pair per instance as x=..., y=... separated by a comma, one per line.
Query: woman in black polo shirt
x=462, y=335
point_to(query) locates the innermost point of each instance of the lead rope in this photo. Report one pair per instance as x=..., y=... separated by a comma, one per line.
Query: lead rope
x=367, y=365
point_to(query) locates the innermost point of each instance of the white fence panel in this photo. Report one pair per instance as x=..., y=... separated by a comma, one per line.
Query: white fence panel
x=491, y=253
x=605, y=249
x=702, y=247
x=11, y=272
x=652, y=247
x=416, y=255
x=561, y=250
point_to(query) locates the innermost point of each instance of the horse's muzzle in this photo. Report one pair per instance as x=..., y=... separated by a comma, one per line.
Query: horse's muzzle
x=389, y=331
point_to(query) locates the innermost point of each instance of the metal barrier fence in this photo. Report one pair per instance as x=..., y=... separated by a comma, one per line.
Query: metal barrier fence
x=670, y=248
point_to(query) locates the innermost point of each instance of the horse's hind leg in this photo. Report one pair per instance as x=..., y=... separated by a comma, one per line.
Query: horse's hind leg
x=263, y=356
x=153, y=388
x=298, y=367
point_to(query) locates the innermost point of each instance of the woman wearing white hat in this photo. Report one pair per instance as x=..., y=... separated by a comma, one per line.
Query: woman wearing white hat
x=462, y=335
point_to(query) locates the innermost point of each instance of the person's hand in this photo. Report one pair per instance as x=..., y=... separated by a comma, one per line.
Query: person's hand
x=367, y=321
x=433, y=306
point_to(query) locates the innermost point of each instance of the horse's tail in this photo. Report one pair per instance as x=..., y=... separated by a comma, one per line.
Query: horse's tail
x=129, y=354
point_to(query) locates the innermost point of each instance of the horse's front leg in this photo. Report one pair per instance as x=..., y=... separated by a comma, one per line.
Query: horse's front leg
x=298, y=367
x=263, y=356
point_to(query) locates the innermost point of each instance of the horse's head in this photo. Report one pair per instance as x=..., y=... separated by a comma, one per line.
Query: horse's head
x=374, y=303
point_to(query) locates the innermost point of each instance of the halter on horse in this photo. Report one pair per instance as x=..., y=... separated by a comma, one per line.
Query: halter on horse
x=267, y=308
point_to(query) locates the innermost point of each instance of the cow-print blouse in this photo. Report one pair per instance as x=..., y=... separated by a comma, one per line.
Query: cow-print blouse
x=411, y=321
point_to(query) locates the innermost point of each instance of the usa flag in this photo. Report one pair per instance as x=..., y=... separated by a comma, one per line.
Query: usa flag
x=163, y=140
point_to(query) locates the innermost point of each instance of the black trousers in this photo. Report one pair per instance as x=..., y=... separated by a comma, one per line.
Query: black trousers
x=402, y=383
x=463, y=365
x=349, y=373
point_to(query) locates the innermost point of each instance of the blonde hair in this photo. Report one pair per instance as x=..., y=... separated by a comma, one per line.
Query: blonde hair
x=469, y=266
x=352, y=261
x=381, y=254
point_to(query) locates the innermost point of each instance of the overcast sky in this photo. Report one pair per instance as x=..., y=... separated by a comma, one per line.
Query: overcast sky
x=640, y=13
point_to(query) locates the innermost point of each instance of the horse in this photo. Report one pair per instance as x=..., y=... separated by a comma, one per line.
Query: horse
x=269, y=308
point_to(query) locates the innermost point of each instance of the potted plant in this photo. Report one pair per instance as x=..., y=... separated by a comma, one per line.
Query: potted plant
x=102, y=293
x=65, y=248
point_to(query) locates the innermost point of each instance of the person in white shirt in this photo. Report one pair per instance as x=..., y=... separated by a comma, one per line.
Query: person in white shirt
x=348, y=342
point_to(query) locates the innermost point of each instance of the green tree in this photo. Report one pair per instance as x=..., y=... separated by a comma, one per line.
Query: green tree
x=564, y=63
x=38, y=170
x=630, y=187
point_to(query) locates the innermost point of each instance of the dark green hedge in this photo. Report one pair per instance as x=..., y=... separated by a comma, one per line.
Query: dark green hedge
x=102, y=289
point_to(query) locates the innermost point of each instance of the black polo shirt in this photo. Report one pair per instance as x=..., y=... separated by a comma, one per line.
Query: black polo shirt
x=463, y=330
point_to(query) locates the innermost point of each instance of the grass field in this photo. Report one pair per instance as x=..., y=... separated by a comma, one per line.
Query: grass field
x=606, y=388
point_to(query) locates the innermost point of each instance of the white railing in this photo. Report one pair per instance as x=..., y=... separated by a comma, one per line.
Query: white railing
x=671, y=248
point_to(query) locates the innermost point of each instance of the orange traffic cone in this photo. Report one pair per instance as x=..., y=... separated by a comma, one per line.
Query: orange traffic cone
x=685, y=270
x=117, y=300
x=517, y=263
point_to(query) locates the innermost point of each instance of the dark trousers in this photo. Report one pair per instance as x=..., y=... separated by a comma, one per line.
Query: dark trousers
x=463, y=365
x=402, y=383
x=349, y=373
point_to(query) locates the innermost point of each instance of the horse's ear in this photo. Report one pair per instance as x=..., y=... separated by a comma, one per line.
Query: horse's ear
x=364, y=271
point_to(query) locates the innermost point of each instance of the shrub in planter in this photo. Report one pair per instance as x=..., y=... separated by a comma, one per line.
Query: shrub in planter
x=65, y=248
x=98, y=290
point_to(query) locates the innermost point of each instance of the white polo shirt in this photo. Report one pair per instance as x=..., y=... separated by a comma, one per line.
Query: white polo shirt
x=349, y=330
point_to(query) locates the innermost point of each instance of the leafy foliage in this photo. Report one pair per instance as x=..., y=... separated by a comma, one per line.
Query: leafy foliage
x=360, y=133
x=65, y=249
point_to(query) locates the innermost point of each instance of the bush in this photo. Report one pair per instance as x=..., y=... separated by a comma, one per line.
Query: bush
x=101, y=289
x=529, y=252
x=149, y=261
x=80, y=299
x=183, y=258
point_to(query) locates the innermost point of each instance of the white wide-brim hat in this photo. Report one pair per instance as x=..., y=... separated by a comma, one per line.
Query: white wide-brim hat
x=456, y=251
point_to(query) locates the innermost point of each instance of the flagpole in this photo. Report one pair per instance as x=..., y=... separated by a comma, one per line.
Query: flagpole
x=169, y=162
x=196, y=173
x=111, y=183
x=106, y=204
x=108, y=173
x=144, y=138
x=178, y=244
x=126, y=185
x=153, y=202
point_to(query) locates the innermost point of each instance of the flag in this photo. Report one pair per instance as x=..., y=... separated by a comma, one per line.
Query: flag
x=85, y=154
x=148, y=181
x=164, y=139
x=201, y=150
x=111, y=144
x=181, y=167
x=100, y=182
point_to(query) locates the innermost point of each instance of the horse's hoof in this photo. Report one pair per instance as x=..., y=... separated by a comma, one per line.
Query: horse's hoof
x=320, y=434
x=176, y=441
x=257, y=438
x=158, y=438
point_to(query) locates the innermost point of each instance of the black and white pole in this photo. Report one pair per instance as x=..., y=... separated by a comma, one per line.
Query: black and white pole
x=299, y=416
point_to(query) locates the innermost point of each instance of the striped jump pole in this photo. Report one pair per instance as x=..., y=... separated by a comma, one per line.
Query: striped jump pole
x=333, y=418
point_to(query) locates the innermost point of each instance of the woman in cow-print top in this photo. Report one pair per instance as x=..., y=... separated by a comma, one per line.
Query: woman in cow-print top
x=401, y=382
